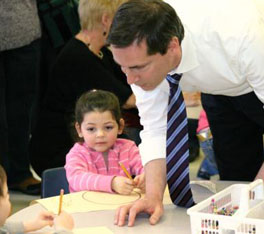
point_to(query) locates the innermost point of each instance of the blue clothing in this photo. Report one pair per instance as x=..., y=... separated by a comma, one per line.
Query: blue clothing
x=208, y=166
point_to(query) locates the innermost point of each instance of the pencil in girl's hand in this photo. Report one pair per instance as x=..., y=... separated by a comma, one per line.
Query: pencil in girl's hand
x=60, y=202
x=125, y=170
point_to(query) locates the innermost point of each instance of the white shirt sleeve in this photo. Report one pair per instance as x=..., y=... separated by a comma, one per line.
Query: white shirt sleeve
x=152, y=106
x=252, y=59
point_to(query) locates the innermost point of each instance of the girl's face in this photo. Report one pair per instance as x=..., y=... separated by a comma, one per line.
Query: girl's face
x=5, y=206
x=99, y=130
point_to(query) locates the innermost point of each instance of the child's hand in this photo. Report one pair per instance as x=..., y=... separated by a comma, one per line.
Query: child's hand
x=122, y=185
x=43, y=219
x=64, y=221
x=139, y=182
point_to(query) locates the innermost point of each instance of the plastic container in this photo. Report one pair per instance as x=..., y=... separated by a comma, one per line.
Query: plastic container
x=238, y=209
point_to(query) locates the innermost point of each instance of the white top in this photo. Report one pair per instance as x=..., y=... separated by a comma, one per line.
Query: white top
x=223, y=53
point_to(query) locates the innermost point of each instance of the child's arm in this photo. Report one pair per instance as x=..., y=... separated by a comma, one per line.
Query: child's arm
x=137, y=168
x=140, y=182
x=122, y=185
x=82, y=177
x=43, y=219
x=64, y=223
x=135, y=163
x=12, y=227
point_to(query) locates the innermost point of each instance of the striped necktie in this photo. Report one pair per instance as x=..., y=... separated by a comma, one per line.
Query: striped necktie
x=177, y=146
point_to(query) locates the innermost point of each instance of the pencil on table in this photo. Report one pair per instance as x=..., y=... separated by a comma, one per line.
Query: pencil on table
x=125, y=170
x=60, y=202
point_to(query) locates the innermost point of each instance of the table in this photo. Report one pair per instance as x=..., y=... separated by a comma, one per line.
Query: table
x=174, y=220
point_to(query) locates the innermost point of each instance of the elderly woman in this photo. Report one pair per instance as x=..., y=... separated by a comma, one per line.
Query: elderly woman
x=83, y=64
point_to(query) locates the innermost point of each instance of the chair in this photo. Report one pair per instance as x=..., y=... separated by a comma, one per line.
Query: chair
x=53, y=180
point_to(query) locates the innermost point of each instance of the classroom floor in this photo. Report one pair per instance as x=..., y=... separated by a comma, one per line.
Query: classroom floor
x=20, y=200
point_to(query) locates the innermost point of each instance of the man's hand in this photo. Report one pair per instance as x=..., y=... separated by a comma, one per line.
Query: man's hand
x=155, y=173
x=122, y=185
x=147, y=205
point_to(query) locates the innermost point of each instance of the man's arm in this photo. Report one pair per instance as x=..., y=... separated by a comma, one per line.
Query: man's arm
x=152, y=106
x=251, y=55
x=260, y=174
x=130, y=103
x=156, y=178
x=151, y=204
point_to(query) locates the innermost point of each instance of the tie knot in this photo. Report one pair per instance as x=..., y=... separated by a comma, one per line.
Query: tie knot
x=174, y=79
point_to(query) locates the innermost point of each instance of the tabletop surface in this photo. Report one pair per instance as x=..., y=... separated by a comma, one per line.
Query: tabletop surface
x=174, y=220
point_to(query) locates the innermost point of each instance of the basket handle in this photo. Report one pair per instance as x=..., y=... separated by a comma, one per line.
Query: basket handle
x=244, y=201
x=255, y=184
x=258, y=184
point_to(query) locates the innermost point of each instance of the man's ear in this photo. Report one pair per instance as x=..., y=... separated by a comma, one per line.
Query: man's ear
x=121, y=126
x=174, y=52
x=174, y=44
x=78, y=129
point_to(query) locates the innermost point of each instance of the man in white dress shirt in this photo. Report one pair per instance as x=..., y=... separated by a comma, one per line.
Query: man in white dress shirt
x=218, y=46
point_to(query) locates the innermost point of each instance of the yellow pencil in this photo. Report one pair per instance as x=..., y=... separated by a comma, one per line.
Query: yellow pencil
x=60, y=202
x=125, y=170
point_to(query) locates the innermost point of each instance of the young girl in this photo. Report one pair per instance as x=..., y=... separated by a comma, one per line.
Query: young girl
x=93, y=162
x=63, y=222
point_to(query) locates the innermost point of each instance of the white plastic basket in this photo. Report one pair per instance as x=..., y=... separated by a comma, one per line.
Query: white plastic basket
x=248, y=218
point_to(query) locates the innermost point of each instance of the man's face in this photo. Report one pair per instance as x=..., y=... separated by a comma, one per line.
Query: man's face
x=141, y=69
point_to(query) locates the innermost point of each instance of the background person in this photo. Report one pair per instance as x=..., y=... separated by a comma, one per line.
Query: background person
x=225, y=63
x=19, y=67
x=83, y=64
x=93, y=162
x=208, y=166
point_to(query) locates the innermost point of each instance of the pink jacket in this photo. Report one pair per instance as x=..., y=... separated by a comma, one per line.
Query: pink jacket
x=202, y=122
x=86, y=169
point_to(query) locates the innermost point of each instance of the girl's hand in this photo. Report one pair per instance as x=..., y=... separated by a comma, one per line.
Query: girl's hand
x=64, y=221
x=122, y=185
x=139, y=181
x=43, y=219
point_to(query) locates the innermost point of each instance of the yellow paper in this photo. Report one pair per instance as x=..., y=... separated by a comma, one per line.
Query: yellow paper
x=92, y=230
x=166, y=197
x=86, y=201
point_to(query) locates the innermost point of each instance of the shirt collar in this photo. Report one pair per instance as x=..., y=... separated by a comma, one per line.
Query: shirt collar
x=189, y=59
